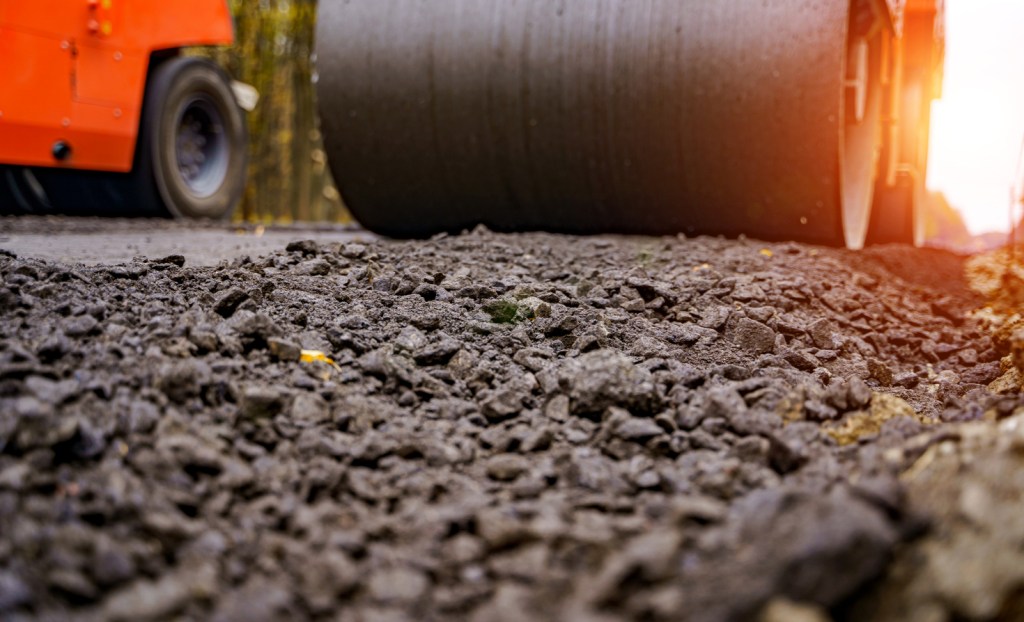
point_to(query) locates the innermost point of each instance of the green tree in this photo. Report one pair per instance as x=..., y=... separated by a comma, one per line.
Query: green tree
x=288, y=175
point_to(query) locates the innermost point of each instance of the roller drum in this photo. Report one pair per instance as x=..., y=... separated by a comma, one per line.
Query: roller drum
x=633, y=116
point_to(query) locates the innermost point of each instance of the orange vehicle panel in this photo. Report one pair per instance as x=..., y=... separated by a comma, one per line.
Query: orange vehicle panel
x=75, y=71
x=924, y=6
x=899, y=10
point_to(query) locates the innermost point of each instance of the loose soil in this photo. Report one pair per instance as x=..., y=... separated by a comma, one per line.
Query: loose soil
x=508, y=427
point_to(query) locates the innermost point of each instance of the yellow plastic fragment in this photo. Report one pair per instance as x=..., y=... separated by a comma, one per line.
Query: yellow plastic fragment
x=767, y=252
x=703, y=266
x=315, y=356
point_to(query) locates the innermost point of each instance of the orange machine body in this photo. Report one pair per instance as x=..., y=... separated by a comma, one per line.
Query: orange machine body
x=74, y=73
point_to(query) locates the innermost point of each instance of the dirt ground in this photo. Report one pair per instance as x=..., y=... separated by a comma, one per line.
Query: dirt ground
x=501, y=428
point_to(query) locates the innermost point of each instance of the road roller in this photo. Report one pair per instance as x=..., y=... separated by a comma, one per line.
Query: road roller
x=101, y=113
x=790, y=119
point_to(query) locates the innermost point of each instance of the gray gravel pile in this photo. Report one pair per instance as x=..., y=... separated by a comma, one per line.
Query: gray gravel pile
x=501, y=428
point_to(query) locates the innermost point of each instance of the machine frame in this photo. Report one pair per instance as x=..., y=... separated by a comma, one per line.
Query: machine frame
x=75, y=74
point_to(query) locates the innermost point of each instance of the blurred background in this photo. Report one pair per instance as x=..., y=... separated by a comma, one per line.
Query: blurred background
x=288, y=175
x=978, y=125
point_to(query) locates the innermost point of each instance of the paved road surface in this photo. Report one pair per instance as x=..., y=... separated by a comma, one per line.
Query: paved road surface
x=91, y=241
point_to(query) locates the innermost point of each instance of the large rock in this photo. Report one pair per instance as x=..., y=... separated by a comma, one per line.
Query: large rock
x=753, y=336
x=604, y=378
x=971, y=564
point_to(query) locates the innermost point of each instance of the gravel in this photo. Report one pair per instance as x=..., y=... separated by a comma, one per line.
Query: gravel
x=506, y=427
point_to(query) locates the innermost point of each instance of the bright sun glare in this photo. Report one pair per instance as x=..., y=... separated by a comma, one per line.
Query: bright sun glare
x=978, y=125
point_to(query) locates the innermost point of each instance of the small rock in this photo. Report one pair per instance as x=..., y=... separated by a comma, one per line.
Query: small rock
x=305, y=247
x=14, y=477
x=133, y=271
x=142, y=416
x=723, y=402
x=227, y=302
x=410, y=340
x=823, y=334
x=535, y=307
x=752, y=449
x=80, y=326
x=325, y=577
x=534, y=359
x=947, y=376
x=984, y=374
x=836, y=395
x=13, y=592
x=501, y=404
x=73, y=583
x=638, y=429
x=907, y=380
x=284, y=350
x=801, y=360
x=689, y=334
x=785, y=455
x=259, y=600
x=54, y=347
x=262, y=402
x=52, y=392
x=353, y=251
x=182, y=380
x=603, y=378
x=817, y=411
x=782, y=610
x=352, y=322
x=111, y=563
x=204, y=339
x=507, y=467
x=160, y=599
x=753, y=336
x=525, y=564
x=439, y=352
x=880, y=372
x=313, y=267
x=884, y=407
x=254, y=329
x=309, y=409
x=171, y=260
x=826, y=356
x=714, y=317
x=398, y=586
x=557, y=408
x=858, y=393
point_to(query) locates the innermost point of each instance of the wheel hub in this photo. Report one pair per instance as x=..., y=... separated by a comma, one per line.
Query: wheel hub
x=201, y=148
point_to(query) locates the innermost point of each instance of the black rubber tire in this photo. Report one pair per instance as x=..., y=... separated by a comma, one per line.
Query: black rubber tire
x=155, y=187
x=89, y=193
x=7, y=206
x=176, y=88
x=21, y=192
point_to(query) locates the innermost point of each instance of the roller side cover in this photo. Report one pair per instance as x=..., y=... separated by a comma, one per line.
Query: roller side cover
x=637, y=116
